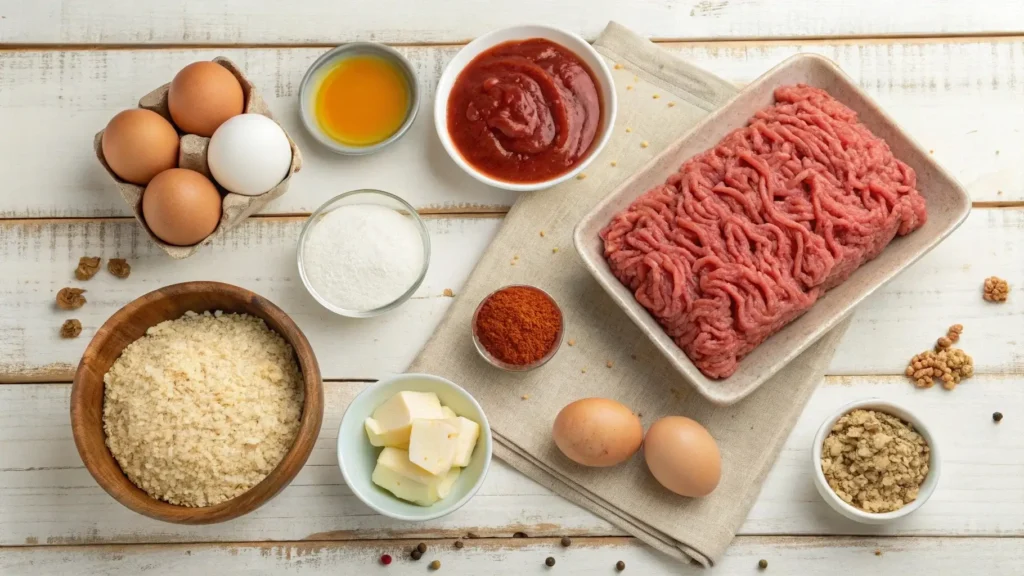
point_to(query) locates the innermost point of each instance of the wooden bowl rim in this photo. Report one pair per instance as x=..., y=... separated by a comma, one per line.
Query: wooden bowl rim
x=310, y=421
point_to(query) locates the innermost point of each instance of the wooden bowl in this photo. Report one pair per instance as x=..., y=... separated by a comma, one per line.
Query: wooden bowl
x=128, y=325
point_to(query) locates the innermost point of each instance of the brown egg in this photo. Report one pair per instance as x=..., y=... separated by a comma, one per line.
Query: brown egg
x=181, y=207
x=138, y=144
x=683, y=456
x=202, y=96
x=597, y=432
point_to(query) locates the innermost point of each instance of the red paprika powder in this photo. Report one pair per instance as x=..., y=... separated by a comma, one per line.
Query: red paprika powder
x=518, y=325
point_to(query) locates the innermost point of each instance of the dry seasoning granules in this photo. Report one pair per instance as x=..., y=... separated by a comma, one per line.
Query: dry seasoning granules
x=995, y=289
x=875, y=461
x=88, y=266
x=518, y=325
x=950, y=365
x=70, y=298
x=202, y=408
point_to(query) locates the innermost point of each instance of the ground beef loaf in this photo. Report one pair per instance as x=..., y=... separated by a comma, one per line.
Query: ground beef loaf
x=746, y=236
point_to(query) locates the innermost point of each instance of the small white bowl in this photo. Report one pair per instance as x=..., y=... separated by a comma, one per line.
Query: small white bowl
x=854, y=513
x=574, y=43
x=357, y=457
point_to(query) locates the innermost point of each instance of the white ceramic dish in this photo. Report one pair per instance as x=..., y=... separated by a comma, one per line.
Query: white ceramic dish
x=856, y=514
x=365, y=196
x=357, y=457
x=577, y=45
x=948, y=206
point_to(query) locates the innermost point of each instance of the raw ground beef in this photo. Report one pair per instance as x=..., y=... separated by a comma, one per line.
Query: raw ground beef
x=746, y=236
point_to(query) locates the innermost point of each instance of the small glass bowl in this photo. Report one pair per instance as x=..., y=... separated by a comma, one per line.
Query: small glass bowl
x=364, y=196
x=514, y=367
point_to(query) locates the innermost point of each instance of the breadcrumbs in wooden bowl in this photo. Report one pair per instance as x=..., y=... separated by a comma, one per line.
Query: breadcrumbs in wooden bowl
x=244, y=474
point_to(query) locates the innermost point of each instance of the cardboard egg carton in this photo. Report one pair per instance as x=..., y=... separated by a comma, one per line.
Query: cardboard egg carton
x=192, y=155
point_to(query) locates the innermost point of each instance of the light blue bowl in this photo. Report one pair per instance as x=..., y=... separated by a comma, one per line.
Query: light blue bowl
x=357, y=457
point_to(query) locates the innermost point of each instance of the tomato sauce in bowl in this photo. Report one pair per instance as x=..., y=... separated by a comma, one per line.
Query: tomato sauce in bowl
x=525, y=111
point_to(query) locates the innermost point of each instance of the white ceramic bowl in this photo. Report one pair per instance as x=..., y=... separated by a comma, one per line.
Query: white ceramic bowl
x=577, y=45
x=856, y=514
x=357, y=457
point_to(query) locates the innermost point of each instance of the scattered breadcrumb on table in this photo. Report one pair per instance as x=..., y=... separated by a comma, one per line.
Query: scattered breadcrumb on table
x=644, y=144
x=88, y=266
x=618, y=66
x=581, y=176
x=572, y=341
x=609, y=364
x=71, y=329
x=583, y=370
x=629, y=87
x=995, y=289
x=614, y=163
x=119, y=267
x=655, y=96
x=70, y=298
x=541, y=233
x=554, y=250
x=448, y=292
x=671, y=104
x=525, y=396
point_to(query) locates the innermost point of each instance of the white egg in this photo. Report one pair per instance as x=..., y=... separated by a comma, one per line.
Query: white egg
x=249, y=154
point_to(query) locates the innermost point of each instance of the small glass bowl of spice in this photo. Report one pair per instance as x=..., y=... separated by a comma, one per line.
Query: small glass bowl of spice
x=518, y=328
x=875, y=461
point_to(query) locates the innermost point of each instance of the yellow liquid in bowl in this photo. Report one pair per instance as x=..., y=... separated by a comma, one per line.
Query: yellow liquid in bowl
x=361, y=101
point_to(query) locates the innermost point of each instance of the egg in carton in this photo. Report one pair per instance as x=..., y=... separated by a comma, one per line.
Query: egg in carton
x=192, y=155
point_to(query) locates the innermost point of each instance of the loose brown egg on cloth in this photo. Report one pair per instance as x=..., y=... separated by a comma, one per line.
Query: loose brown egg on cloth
x=203, y=96
x=138, y=144
x=181, y=207
x=597, y=432
x=683, y=456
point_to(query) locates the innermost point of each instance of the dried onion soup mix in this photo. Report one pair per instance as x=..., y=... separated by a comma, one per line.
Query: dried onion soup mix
x=746, y=236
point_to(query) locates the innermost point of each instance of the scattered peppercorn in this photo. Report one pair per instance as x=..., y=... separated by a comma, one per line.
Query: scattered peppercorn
x=385, y=559
x=119, y=267
x=87, y=267
x=435, y=565
x=878, y=551
x=422, y=547
x=762, y=564
x=71, y=329
x=609, y=364
x=620, y=565
x=997, y=416
x=566, y=541
x=416, y=554
x=70, y=298
x=459, y=544
x=550, y=561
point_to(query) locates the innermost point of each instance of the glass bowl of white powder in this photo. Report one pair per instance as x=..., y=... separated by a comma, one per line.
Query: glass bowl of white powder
x=363, y=253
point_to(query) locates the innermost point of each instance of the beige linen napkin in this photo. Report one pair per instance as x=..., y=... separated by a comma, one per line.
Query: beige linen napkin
x=605, y=355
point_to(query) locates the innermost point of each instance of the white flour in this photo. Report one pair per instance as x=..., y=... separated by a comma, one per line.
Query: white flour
x=363, y=256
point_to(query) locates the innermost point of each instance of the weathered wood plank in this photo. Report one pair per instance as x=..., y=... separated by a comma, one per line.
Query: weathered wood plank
x=52, y=102
x=47, y=497
x=40, y=256
x=326, y=21
x=586, y=556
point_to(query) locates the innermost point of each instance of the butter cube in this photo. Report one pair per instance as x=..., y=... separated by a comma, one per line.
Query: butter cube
x=396, y=474
x=448, y=412
x=391, y=423
x=397, y=438
x=432, y=445
x=469, y=432
x=445, y=486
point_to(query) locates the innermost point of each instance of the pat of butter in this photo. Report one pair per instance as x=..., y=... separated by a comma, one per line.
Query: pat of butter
x=432, y=445
x=448, y=412
x=445, y=487
x=469, y=432
x=391, y=423
x=396, y=474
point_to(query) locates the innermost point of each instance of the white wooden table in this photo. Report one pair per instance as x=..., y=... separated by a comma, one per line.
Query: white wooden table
x=951, y=71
